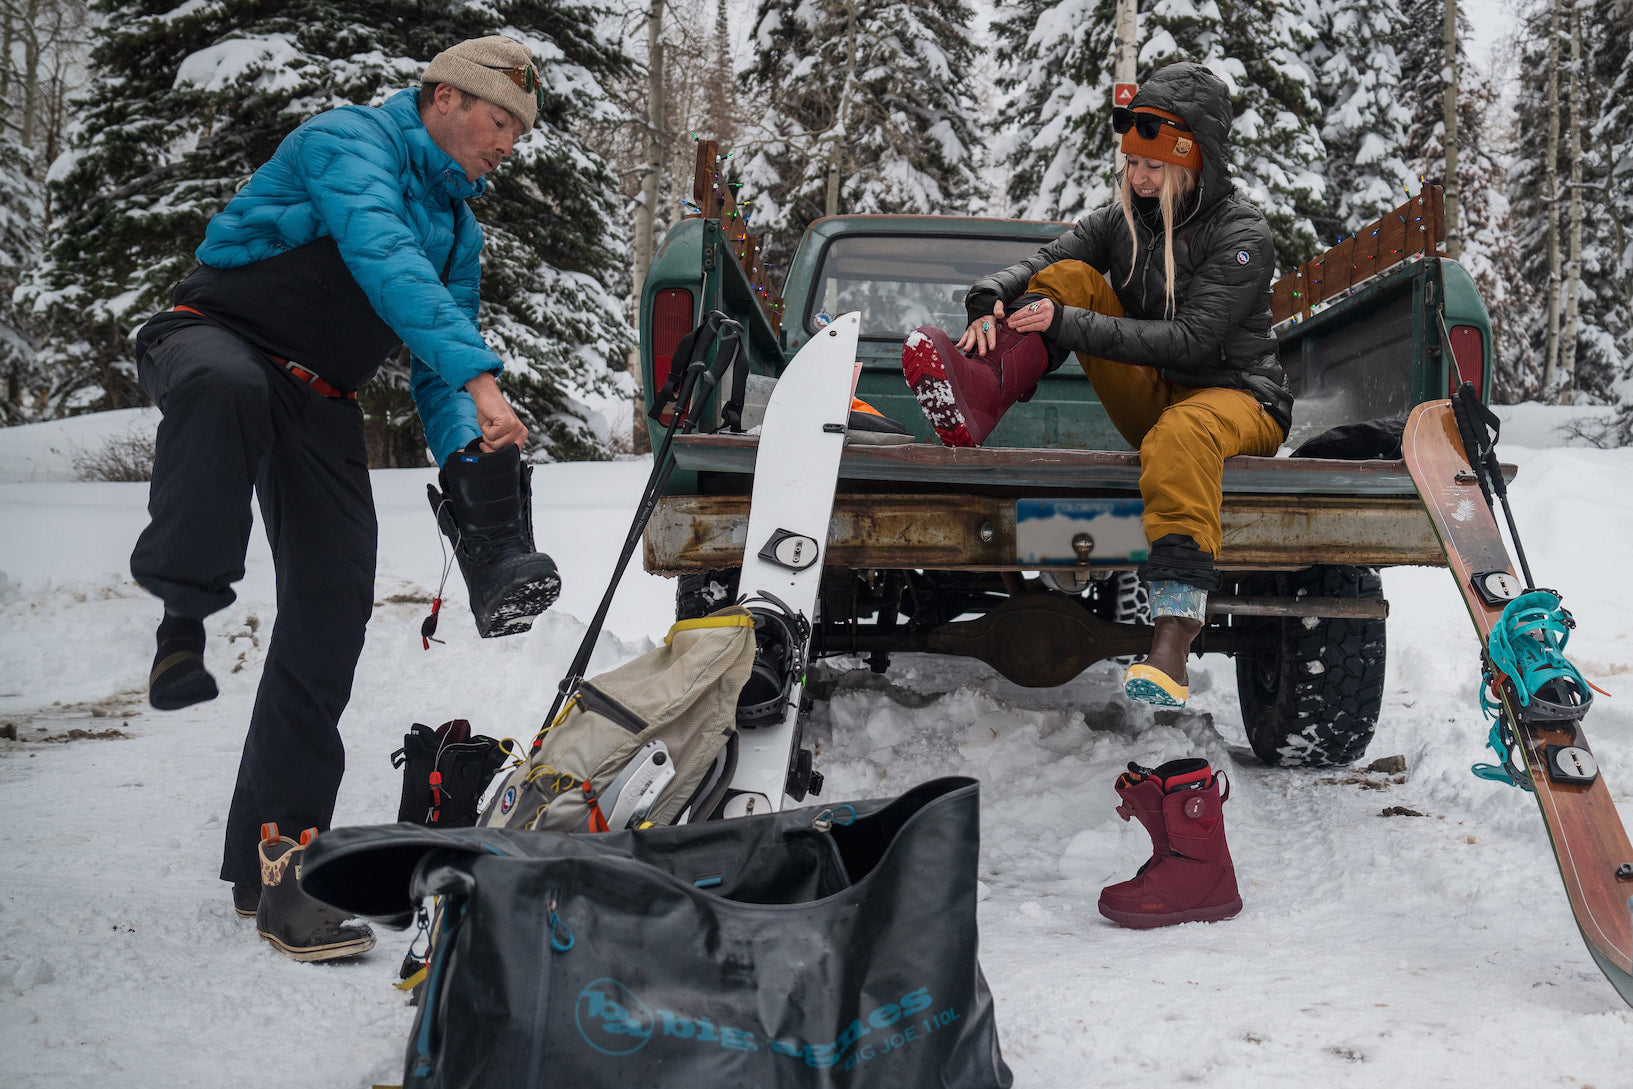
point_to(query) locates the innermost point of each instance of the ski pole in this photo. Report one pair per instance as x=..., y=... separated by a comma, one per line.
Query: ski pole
x=1479, y=427
x=699, y=380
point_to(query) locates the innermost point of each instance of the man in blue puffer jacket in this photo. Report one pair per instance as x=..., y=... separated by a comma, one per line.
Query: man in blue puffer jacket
x=353, y=240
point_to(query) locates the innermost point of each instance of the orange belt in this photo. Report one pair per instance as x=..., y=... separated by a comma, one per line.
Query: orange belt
x=319, y=384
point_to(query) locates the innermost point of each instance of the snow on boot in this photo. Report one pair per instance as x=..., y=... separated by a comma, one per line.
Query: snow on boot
x=295, y=923
x=1189, y=877
x=963, y=396
x=485, y=508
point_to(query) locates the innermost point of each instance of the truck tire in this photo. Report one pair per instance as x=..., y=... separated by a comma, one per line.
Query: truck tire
x=700, y=595
x=1311, y=694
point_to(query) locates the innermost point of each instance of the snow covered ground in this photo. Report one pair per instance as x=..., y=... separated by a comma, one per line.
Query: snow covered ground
x=1372, y=951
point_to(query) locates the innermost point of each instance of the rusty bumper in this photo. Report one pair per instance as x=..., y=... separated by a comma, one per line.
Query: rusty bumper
x=977, y=533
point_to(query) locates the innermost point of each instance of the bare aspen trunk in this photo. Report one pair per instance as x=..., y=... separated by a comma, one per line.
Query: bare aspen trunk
x=5, y=53
x=1124, y=69
x=651, y=181
x=31, y=70
x=1573, y=276
x=1550, y=366
x=1454, y=244
x=646, y=212
x=837, y=137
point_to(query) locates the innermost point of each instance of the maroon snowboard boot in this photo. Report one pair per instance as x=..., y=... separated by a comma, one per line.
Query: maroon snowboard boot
x=964, y=396
x=1189, y=877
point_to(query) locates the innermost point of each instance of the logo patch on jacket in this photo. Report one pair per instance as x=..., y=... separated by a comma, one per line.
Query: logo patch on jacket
x=1242, y=257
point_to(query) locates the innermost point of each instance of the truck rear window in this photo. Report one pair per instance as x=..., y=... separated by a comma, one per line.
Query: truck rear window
x=900, y=282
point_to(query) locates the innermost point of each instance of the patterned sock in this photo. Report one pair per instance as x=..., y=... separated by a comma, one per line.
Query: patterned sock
x=1170, y=597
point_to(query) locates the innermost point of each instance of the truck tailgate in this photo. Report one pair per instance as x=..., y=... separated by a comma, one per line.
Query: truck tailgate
x=934, y=508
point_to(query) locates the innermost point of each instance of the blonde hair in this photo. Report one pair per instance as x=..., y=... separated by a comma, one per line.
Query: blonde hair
x=1177, y=181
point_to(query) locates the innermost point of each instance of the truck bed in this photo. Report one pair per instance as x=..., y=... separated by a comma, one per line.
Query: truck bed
x=1075, y=471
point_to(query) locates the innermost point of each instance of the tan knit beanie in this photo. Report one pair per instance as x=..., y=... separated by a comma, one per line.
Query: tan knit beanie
x=496, y=68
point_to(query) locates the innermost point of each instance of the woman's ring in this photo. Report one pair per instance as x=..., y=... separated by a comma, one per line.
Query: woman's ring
x=986, y=325
x=1034, y=306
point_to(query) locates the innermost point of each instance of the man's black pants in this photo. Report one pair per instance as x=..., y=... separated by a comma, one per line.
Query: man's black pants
x=233, y=423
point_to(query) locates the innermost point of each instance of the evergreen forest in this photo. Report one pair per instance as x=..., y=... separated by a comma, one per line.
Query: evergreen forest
x=126, y=124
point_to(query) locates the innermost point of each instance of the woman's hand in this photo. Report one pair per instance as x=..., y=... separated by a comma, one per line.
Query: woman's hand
x=1034, y=317
x=982, y=334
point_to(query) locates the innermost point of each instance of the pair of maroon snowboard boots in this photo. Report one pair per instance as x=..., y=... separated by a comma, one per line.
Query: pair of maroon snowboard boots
x=964, y=396
x=1189, y=877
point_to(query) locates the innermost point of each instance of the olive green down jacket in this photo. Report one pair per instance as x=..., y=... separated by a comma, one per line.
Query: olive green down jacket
x=1219, y=334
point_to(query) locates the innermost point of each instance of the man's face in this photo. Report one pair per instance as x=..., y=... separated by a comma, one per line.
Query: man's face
x=474, y=131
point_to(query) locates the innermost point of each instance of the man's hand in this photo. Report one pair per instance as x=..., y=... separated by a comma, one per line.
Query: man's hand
x=498, y=421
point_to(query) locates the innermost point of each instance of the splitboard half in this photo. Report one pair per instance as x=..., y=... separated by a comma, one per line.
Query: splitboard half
x=1590, y=844
x=796, y=471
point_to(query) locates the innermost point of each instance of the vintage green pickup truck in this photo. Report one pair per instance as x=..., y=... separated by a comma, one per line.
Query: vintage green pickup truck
x=947, y=551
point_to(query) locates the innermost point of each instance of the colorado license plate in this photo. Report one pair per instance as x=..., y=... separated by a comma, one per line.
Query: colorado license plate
x=1074, y=531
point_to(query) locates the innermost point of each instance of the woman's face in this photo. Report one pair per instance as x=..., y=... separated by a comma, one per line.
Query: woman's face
x=1145, y=175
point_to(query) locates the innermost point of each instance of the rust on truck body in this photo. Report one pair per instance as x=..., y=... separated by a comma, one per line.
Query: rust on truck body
x=961, y=532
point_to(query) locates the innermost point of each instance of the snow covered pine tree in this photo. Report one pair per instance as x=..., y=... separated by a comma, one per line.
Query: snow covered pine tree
x=1276, y=150
x=867, y=110
x=185, y=102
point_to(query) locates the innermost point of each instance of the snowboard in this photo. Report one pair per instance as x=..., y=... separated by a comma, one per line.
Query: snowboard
x=796, y=471
x=1590, y=844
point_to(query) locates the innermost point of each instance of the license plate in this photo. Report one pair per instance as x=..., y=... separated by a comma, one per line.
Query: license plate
x=1074, y=531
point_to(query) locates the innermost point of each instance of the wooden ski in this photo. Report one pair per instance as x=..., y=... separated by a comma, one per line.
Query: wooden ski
x=1590, y=844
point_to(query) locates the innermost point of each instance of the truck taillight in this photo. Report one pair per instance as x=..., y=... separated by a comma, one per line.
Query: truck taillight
x=671, y=320
x=1468, y=359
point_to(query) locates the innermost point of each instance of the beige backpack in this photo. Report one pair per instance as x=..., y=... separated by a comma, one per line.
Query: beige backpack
x=653, y=741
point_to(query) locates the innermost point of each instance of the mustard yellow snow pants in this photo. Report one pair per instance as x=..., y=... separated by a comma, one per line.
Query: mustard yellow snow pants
x=1183, y=433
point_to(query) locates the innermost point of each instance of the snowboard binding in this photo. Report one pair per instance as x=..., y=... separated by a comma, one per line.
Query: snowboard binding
x=1526, y=647
x=780, y=639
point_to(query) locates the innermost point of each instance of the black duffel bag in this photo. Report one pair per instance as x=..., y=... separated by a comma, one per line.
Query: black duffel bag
x=832, y=946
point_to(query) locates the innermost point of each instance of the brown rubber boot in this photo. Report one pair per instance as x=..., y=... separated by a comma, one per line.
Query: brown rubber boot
x=1189, y=877
x=963, y=396
x=297, y=924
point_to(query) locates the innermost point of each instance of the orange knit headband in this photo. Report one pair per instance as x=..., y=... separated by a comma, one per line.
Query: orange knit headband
x=1170, y=145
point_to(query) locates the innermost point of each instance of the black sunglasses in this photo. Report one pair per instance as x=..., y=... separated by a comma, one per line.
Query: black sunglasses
x=1146, y=124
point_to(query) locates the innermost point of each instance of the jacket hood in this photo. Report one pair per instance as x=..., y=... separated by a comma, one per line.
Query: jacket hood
x=445, y=177
x=1193, y=92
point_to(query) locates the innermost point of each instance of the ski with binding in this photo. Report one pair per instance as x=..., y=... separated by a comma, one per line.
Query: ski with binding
x=1540, y=700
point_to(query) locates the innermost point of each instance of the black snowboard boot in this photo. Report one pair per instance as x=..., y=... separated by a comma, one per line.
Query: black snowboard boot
x=295, y=923
x=445, y=772
x=485, y=508
x=178, y=678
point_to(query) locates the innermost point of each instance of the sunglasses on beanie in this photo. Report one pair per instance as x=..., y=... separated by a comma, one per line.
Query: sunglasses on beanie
x=1146, y=124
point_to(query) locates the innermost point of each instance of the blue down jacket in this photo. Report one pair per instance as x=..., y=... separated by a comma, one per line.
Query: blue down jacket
x=373, y=181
